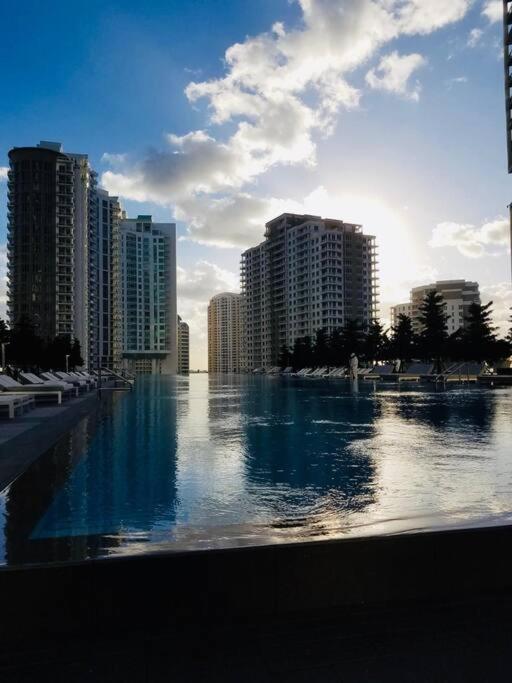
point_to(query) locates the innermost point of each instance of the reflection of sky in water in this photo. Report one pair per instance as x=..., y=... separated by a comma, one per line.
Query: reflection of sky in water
x=215, y=459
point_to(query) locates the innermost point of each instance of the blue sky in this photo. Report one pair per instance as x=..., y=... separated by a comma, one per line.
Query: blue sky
x=384, y=112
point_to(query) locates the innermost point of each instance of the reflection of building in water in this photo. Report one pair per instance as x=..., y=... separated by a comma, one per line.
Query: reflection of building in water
x=124, y=484
x=446, y=411
x=316, y=461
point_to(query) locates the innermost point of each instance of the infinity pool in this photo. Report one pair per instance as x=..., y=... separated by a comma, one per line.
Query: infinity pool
x=203, y=462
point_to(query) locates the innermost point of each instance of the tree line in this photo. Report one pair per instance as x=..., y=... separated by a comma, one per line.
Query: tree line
x=27, y=350
x=476, y=341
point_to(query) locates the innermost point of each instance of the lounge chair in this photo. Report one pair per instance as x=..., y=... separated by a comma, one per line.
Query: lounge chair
x=338, y=372
x=287, y=371
x=76, y=385
x=56, y=383
x=331, y=372
x=420, y=369
x=9, y=385
x=69, y=377
x=315, y=373
x=380, y=371
x=362, y=372
x=85, y=375
x=14, y=402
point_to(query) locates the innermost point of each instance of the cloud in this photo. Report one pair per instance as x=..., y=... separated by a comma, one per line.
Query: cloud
x=3, y=173
x=475, y=35
x=493, y=10
x=196, y=286
x=456, y=81
x=501, y=296
x=113, y=159
x=281, y=92
x=471, y=241
x=393, y=73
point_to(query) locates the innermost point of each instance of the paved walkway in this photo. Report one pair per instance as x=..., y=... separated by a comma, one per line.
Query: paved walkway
x=28, y=436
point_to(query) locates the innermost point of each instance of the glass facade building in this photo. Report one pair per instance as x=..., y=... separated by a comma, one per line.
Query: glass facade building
x=148, y=295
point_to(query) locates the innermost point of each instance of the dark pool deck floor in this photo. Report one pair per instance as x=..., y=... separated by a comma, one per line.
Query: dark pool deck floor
x=460, y=641
x=25, y=438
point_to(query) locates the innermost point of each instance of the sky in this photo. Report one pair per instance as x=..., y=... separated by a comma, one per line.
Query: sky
x=221, y=115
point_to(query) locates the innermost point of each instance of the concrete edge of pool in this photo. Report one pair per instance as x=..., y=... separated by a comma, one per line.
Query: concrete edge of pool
x=254, y=583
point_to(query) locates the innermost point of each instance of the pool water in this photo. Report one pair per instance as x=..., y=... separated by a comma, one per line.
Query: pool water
x=214, y=461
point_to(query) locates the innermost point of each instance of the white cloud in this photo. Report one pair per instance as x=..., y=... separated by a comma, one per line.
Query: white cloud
x=501, y=296
x=113, y=159
x=3, y=173
x=282, y=90
x=475, y=35
x=493, y=10
x=456, y=81
x=196, y=286
x=393, y=73
x=473, y=241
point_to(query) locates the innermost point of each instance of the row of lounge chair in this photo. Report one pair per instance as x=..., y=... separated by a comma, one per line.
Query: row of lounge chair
x=20, y=395
x=414, y=371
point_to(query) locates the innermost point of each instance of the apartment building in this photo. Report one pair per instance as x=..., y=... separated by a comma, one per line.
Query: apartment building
x=224, y=333
x=105, y=293
x=183, y=347
x=309, y=273
x=148, y=295
x=51, y=241
x=458, y=296
x=398, y=310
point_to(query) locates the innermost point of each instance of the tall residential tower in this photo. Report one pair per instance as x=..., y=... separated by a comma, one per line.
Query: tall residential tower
x=148, y=295
x=52, y=242
x=183, y=347
x=309, y=273
x=224, y=333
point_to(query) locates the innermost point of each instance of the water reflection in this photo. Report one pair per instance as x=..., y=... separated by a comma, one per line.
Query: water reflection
x=220, y=460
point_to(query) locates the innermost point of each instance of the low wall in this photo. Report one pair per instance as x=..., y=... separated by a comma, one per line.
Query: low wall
x=165, y=590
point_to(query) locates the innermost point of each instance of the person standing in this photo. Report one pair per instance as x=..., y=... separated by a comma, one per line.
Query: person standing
x=353, y=365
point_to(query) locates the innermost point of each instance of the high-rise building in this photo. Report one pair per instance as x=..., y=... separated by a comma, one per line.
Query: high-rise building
x=224, y=333
x=458, y=296
x=105, y=293
x=398, y=310
x=50, y=229
x=507, y=55
x=309, y=273
x=183, y=347
x=148, y=295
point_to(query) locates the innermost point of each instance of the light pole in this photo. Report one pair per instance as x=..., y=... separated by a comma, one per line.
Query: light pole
x=4, y=344
x=67, y=362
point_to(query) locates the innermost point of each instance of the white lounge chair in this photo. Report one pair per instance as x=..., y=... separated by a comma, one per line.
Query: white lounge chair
x=14, y=402
x=8, y=384
x=76, y=381
x=76, y=386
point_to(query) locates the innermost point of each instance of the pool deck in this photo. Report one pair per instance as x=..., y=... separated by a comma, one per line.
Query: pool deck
x=28, y=436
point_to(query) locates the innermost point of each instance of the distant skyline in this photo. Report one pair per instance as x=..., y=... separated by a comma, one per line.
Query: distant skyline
x=388, y=113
